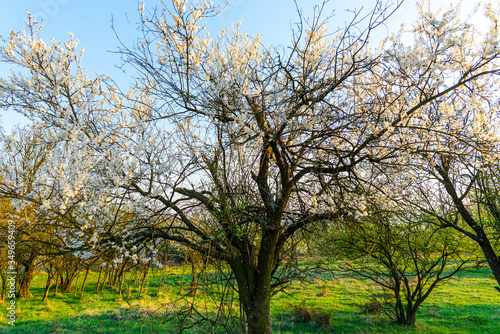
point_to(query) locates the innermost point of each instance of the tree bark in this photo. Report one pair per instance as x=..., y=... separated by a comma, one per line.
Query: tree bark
x=182, y=278
x=491, y=257
x=121, y=280
x=84, y=281
x=27, y=277
x=193, y=288
x=112, y=278
x=4, y=285
x=129, y=285
x=480, y=236
x=76, y=284
x=143, y=279
x=105, y=278
x=258, y=317
x=58, y=276
x=67, y=280
x=254, y=277
x=47, y=287
x=98, y=279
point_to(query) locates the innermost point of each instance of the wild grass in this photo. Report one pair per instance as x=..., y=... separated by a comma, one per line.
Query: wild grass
x=327, y=304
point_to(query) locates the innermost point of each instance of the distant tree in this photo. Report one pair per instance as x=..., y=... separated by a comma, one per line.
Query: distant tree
x=59, y=237
x=398, y=251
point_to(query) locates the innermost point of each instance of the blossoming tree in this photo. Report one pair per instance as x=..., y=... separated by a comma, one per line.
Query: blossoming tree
x=228, y=147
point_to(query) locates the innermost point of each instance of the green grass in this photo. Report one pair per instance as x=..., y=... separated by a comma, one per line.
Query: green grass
x=467, y=304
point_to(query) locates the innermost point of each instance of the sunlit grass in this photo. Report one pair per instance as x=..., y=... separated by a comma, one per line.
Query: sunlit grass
x=467, y=304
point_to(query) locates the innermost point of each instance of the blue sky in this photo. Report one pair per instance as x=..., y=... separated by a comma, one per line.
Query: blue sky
x=90, y=22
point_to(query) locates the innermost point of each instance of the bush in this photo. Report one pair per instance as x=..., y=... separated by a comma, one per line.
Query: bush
x=373, y=306
x=302, y=313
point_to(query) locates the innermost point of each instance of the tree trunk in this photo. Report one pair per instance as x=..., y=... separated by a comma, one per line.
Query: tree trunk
x=411, y=317
x=121, y=280
x=57, y=284
x=400, y=311
x=105, y=278
x=27, y=277
x=259, y=317
x=67, y=280
x=182, y=278
x=47, y=287
x=480, y=236
x=481, y=239
x=143, y=280
x=98, y=279
x=119, y=275
x=76, y=284
x=111, y=279
x=4, y=285
x=146, y=288
x=194, y=281
x=129, y=285
x=253, y=274
x=408, y=317
x=84, y=281
x=491, y=257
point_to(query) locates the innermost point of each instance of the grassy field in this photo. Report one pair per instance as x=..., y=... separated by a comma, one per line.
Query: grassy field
x=467, y=304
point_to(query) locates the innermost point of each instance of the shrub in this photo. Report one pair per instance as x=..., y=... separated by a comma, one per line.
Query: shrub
x=373, y=306
x=304, y=314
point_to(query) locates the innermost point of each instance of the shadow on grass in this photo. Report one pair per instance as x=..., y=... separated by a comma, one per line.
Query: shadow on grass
x=116, y=321
x=446, y=319
x=433, y=319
